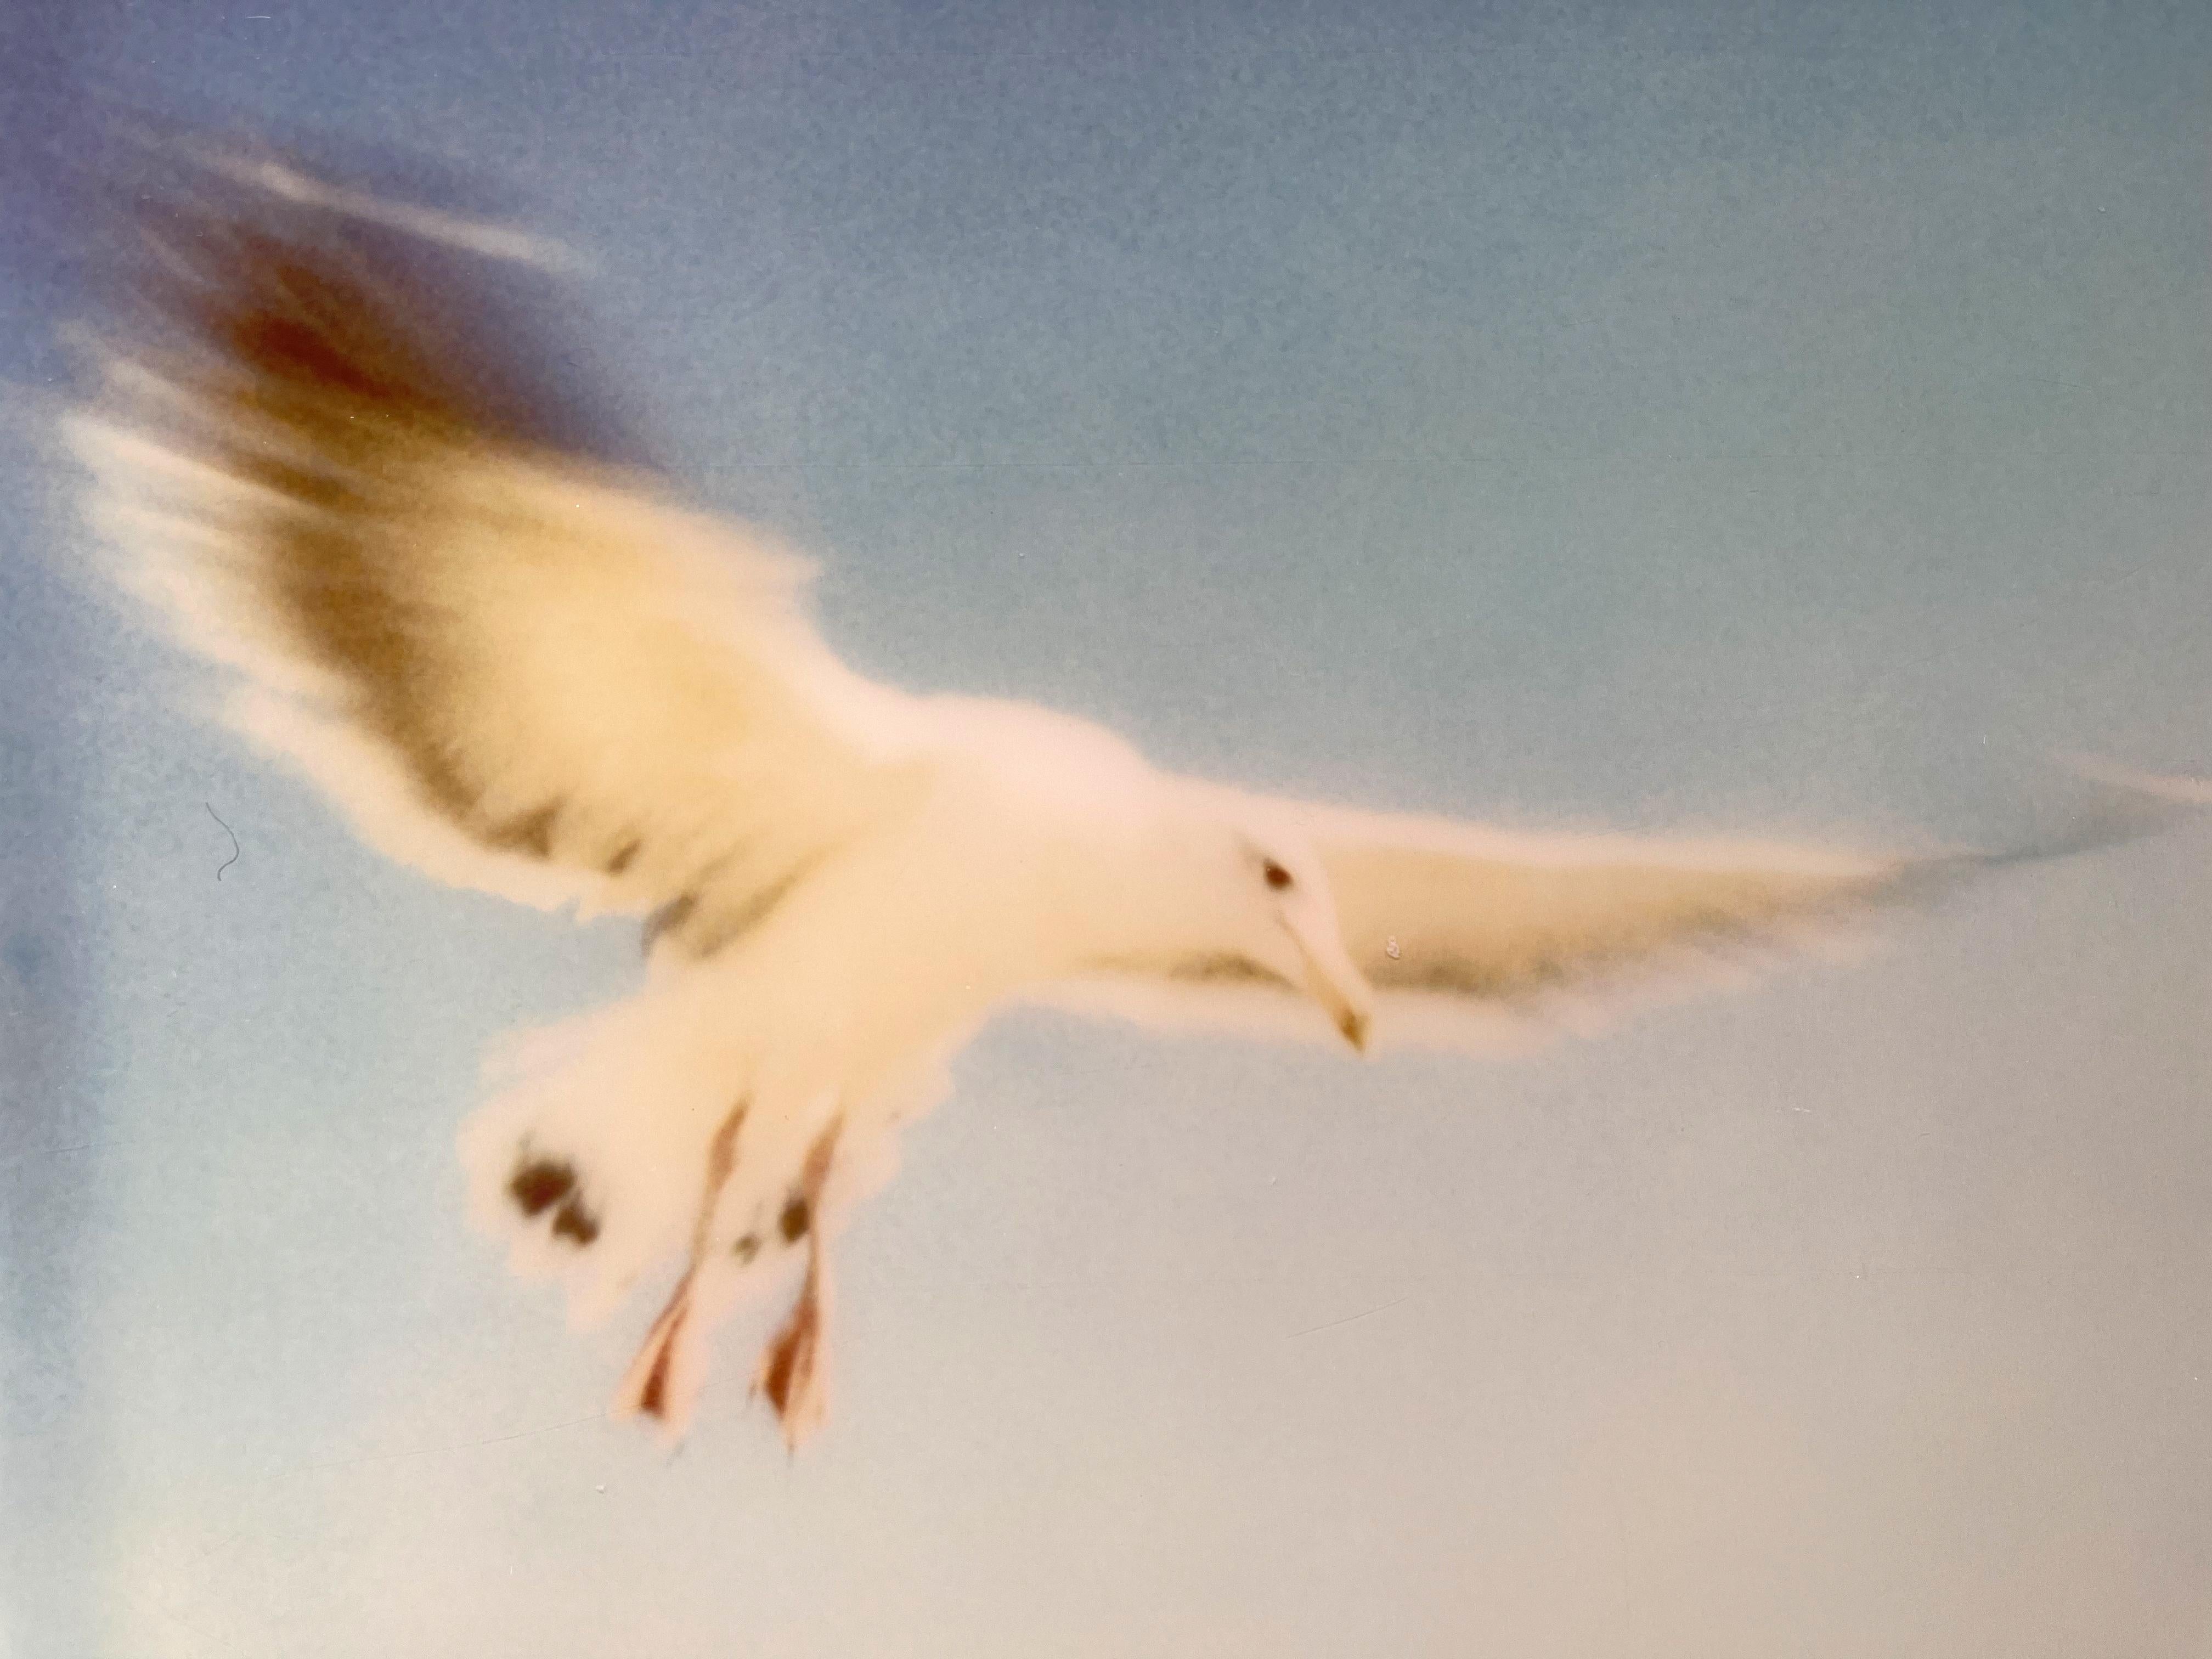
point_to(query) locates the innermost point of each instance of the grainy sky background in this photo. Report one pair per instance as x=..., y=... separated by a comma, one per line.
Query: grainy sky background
x=1672, y=415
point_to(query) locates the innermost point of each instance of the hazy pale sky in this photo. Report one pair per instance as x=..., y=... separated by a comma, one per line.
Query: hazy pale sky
x=1771, y=419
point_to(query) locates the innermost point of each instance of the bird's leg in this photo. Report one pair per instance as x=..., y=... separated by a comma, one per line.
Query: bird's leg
x=663, y=1378
x=793, y=1369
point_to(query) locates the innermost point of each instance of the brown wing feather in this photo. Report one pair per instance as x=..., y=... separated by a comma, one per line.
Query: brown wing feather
x=369, y=494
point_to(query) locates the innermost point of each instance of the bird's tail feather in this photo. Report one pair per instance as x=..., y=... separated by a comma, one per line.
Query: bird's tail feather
x=591, y=1155
x=619, y=1140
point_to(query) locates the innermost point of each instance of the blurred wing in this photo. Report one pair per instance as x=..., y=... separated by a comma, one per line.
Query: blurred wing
x=1461, y=928
x=1481, y=939
x=346, y=468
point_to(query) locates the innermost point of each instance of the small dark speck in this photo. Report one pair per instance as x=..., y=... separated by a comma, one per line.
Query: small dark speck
x=746, y=1247
x=791, y=1224
x=227, y=830
x=539, y=1184
x=573, y=1221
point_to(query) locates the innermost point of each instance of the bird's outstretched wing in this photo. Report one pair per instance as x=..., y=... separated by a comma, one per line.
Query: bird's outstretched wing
x=1476, y=937
x=337, y=445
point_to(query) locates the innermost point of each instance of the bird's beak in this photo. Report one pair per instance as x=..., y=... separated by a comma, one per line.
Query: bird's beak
x=1333, y=982
x=1354, y=1023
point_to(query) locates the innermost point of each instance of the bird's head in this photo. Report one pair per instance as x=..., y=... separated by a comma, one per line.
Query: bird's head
x=1299, y=924
x=1268, y=911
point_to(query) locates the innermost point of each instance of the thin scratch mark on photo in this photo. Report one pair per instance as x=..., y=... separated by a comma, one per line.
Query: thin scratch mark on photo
x=1353, y=1319
x=235, y=850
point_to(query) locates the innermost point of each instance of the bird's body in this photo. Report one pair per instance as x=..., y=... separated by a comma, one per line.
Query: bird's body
x=495, y=638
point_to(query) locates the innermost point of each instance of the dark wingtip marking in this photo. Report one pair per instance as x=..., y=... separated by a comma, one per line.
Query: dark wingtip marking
x=539, y=1183
x=624, y=856
x=792, y=1223
x=347, y=288
x=573, y=1221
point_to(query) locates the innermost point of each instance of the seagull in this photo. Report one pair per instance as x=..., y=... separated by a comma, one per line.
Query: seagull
x=329, y=433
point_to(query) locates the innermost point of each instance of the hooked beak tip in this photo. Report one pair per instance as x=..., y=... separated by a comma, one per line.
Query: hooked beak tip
x=1334, y=983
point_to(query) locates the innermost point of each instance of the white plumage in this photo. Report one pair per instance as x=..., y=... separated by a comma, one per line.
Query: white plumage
x=462, y=604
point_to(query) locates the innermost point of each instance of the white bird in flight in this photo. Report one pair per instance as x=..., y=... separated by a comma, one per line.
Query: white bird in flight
x=475, y=615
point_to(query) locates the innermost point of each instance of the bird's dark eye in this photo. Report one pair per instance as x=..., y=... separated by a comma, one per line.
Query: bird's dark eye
x=1277, y=877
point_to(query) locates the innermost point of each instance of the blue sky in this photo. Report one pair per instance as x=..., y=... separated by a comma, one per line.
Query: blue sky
x=1668, y=417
